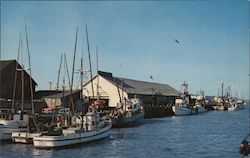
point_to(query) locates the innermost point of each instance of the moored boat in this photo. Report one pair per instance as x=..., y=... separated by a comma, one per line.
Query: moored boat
x=10, y=122
x=92, y=129
x=181, y=107
x=183, y=104
x=130, y=113
x=200, y=108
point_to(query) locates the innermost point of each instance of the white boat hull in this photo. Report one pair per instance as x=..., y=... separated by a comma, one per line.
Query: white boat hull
x=5, y=131
x=200, y=108
x=24, y=137
x=128, y=121
x=13, y=125
x=71, y=138
x=179, y=111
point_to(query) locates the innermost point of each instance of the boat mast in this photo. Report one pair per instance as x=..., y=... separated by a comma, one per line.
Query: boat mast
x=58, y=76
x=97, y=69
x=14, y=88
x=64, y=69
x=81, y=93
x=122, y=89
x=31, y=87
x=90, y=67
x=65, y=60
x=73, y=69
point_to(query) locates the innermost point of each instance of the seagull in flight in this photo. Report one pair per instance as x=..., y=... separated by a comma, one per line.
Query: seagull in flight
x=177, y=41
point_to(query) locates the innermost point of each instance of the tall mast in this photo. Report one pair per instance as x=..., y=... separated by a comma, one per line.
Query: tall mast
x=97, y=69
x=65, y=60
x=14, y=88
x=64, y=69
x=91, y=75
x=81, y=76
x=73, y=69
x=31, y=87
x=58, y=77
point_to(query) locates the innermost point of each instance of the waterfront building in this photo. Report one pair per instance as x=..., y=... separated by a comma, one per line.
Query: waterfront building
x=157, y=98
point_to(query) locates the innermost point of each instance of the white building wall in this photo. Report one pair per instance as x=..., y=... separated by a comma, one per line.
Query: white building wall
x=107, y=90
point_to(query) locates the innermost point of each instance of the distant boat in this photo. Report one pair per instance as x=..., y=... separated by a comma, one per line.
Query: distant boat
x=200, y=108
x=181, y=107
x=182, y=103
x=130, y=113
x=200, y=103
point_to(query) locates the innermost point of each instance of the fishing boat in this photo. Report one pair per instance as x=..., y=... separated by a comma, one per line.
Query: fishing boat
x=81, y=127
x=129, y=113
x=200, y=108
x=183, y=104
x=200, y=102
x=181, y=107
x=26, y=136
x=12, y=121
x=92, y=129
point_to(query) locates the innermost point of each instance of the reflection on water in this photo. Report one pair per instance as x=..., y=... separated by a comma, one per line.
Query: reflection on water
x=212, y=134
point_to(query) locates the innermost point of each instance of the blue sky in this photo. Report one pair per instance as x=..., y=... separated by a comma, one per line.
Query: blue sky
x=140, y=36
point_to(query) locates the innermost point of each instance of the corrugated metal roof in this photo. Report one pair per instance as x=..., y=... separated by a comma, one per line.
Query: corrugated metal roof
x=61, y=94
x=141, y=87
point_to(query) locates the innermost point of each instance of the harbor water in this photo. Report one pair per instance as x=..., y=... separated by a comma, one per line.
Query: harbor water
x=212, y=134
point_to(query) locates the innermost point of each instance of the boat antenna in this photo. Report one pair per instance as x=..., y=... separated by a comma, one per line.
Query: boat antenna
x=90, y=67
x=73, y=69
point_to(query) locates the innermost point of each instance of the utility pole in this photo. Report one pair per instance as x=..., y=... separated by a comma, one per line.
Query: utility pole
x=50, y=83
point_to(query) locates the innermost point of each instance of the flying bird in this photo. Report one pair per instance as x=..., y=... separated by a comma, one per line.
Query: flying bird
x=177, y=41
x=151, y=77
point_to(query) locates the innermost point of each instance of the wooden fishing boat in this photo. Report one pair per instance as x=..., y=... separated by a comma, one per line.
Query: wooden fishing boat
x=82, y=127
x=92, y=129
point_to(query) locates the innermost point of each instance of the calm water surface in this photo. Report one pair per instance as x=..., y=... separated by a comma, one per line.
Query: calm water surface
x=212, y=134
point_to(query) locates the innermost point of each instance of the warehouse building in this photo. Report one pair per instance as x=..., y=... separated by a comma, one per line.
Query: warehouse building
x=156, y=98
